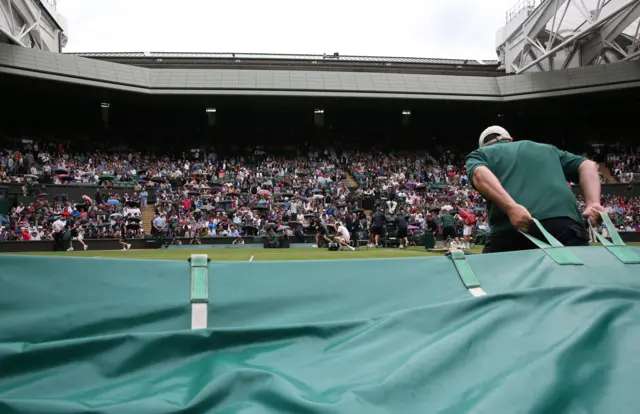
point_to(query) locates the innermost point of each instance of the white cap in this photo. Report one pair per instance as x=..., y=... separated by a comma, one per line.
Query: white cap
x=492, y=135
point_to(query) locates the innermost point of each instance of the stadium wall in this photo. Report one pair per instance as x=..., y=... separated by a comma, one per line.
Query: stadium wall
x=113, y=244
x=137, y=244
x=74, y=192
x=97, y=73
x=621, y=189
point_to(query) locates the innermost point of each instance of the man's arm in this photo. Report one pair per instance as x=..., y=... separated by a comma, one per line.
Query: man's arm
x=489, y=186
x=591, y=188
x=577, y=167
x=590, y=182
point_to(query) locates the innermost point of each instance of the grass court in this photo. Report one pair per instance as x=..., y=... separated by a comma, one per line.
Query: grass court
x=254, y=255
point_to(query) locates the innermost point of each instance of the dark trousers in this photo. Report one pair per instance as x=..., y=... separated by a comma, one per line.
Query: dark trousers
x=158, y=237
x=448, y=232
x=567, y=231
x=58, y=239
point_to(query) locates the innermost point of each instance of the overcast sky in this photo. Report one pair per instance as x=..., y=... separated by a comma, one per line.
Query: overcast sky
x=422, y=28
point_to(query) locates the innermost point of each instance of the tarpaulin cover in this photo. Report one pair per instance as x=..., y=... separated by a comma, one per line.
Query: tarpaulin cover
x=348, y=336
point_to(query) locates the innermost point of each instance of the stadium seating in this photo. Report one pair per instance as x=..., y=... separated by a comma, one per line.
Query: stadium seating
x=227, y=197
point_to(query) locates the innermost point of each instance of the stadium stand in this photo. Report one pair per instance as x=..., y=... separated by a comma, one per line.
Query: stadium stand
x=231, y=197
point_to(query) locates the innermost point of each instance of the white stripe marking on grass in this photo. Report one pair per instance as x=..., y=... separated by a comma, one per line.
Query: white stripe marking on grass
x=97, y=257
x=251, y=260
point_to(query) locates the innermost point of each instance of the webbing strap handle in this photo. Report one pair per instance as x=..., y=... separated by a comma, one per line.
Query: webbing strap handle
x=616, y=246
x=466, y=274
x=554, y=249
x=199, y=290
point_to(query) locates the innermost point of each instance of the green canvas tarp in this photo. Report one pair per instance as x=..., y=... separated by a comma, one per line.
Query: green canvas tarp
x=345, y=336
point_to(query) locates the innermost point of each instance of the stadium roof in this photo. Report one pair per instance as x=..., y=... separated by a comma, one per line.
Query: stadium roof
x=333, y=61
x=290, y=57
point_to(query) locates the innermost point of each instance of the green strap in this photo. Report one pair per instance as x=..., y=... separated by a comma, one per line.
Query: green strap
x=616, y=246
x=554, y=249
x=615, y=237
x=199, y=278
x=199, y=290
x=553, y=242
x=466, y=274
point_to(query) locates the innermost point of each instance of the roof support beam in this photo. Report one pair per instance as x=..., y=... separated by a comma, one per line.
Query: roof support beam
x=26, y=31
x=7, y=11
x=539, y=18
x=577, y=36
x=632, y=56
x=11, y=37
x=537, y=22
x=609, y=31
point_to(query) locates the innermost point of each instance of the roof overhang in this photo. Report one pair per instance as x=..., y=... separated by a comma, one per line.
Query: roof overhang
x=338, y=84
x=310, y=62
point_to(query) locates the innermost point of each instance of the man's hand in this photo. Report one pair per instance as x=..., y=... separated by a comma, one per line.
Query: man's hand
x=592, y=212
x=520, y=218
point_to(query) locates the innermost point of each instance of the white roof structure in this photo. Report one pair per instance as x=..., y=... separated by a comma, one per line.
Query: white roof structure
x=542, y=35
x=282, y=56
x=32, y=24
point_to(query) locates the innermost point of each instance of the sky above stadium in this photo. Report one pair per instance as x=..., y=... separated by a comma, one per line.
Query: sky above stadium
x=417, y=28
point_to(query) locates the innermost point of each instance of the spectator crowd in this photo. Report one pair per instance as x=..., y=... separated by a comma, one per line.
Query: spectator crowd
x=202, y=194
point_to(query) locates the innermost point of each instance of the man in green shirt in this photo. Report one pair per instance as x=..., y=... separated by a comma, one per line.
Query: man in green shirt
x=525, y=179
x=448, y=225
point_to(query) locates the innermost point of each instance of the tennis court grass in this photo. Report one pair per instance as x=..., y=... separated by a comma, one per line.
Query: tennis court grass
x=244, y=255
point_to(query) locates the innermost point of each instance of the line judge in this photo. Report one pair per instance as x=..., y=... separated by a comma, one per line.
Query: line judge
x=525, y=179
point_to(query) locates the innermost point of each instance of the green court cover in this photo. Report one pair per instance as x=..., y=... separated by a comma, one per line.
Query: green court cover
x=346, y=336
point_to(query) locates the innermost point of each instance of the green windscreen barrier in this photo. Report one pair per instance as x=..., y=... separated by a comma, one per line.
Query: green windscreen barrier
x=346, y=336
